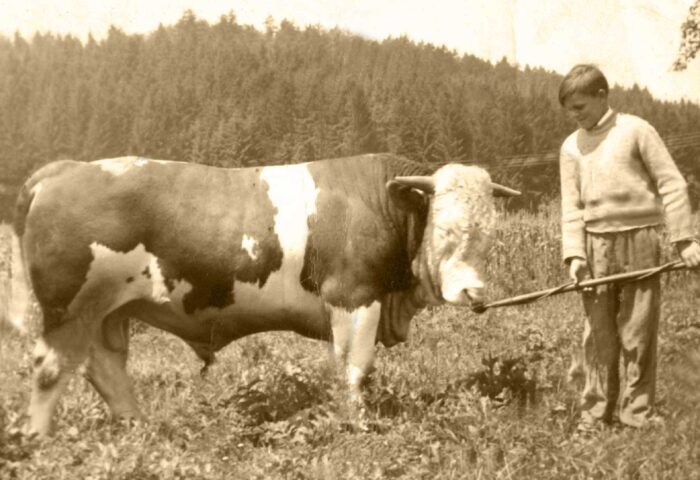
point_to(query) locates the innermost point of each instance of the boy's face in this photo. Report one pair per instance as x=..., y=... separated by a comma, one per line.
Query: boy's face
x=586, y=110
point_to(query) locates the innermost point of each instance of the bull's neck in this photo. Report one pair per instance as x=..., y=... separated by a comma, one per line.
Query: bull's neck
x=410, y=223
x=364, y=179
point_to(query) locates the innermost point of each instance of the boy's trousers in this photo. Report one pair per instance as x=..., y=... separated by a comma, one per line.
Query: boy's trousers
x=621, y=320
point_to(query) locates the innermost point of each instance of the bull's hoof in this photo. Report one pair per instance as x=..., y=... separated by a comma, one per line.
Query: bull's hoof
x=122, y=424
x=127, y=418
x=32, y=432
x=357, y=422
x=357, y=417
x=362, y=423
x=209, y=360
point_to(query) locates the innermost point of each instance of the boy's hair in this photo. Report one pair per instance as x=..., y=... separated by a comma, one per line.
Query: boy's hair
x=584, y=78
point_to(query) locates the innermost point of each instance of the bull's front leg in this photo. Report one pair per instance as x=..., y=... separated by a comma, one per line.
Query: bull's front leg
x=354, y=334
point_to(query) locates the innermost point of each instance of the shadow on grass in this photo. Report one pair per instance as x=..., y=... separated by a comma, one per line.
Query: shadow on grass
x=288, y=402
x=502, y=380
x=278, y=394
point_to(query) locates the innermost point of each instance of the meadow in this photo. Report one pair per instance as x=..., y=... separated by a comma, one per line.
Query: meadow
x=468, y=396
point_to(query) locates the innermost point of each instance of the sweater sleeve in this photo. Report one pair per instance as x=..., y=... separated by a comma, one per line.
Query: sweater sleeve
x=573, y=230
x=670, y=184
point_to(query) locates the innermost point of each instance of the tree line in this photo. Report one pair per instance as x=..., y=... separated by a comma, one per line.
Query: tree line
x=228, y=94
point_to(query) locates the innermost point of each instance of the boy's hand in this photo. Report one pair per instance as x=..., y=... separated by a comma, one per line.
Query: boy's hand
x=689, y=250
x=578, y=270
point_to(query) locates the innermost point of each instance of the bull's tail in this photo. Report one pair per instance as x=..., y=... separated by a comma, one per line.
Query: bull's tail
x=19, y=289
x=20, y=295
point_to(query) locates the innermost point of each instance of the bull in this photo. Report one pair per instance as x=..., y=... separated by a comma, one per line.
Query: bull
x=345, y=250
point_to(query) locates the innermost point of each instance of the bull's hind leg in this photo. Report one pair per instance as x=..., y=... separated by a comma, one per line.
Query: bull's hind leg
x=56, y=356
x=106, y=367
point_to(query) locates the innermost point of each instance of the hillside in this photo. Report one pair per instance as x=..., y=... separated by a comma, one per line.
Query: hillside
x=228, y=94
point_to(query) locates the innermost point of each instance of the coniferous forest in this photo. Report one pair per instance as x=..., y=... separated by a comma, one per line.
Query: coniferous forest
x=231, y=95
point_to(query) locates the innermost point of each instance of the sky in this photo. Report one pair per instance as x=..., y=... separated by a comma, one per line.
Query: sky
x=632, y=41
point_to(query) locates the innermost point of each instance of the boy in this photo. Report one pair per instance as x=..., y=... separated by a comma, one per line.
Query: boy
x=618, y=183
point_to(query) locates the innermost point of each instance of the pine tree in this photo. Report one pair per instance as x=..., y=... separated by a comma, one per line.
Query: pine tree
x=230, y=95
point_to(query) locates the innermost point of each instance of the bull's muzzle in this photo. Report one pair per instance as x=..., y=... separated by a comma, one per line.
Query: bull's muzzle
x=472, y=297
x=475, y=295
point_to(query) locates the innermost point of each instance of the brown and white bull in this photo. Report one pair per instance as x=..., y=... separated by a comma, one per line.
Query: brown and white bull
x=345, y=250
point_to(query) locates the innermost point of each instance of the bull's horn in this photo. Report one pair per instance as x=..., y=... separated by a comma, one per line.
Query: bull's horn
x=501, y=191
x=423, y=183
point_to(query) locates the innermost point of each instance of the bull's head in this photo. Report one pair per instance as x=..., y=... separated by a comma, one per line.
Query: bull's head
x=450, y=263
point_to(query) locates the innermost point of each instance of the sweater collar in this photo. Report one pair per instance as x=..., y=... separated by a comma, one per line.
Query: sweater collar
x=604, y=123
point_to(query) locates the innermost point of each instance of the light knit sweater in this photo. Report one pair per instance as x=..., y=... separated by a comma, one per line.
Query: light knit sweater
x=619, y=176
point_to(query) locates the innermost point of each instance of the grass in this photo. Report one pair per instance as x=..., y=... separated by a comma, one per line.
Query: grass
x=468, y=396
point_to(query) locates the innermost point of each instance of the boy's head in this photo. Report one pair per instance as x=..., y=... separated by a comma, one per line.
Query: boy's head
x=584, y=95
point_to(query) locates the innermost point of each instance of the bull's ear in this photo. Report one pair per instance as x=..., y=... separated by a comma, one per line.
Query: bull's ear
x=406, y=197
x=501, y=191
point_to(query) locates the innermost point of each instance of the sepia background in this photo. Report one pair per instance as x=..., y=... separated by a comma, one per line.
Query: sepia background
x=244, y=83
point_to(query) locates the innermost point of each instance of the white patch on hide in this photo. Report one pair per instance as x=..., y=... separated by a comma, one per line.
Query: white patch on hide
x=177, y=297
x=293, y=193
x=121, y=165
x=118, y=166
x=160, y=290
x=248, y=244
x=116, y=278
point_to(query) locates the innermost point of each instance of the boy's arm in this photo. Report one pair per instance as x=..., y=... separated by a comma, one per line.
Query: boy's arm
x=573, y=234
x=670, y=184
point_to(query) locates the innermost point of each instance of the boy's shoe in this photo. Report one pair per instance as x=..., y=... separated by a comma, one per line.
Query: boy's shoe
x=586, y=429
x=655, y=421
x=652, y=422
x=588, y=426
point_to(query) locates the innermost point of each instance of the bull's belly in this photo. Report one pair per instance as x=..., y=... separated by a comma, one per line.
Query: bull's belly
x=132, y=283
x=222, y=327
